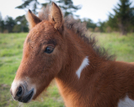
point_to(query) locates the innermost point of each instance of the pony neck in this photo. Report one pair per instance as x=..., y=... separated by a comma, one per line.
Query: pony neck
x=69, y=83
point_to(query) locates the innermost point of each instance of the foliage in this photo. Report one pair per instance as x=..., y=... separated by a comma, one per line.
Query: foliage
x=9, y=23
x=112, y=22
x=102, y=26
x=49, y=98
x=123, y=19
x=89, y=23
x=10, y=57
x=96, y=29
x=21, y=24
x=2, y=25
x=13, y=25
x=11, y=53
x=29, y=3
x=17, y=28
x=67, y=6
x=121, y=46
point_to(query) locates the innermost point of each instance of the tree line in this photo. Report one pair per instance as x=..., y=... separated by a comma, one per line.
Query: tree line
x=122, y=20
x=8, y=25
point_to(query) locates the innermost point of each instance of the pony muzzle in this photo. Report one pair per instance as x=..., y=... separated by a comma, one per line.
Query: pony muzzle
x=21, y=93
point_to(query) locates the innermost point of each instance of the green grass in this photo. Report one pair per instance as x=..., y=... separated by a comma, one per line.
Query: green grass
x=10, y=56
x=121, y=46
x=11, y=53
x=50, y=98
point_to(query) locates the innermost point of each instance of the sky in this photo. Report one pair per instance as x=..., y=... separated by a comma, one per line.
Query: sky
x=93, y=9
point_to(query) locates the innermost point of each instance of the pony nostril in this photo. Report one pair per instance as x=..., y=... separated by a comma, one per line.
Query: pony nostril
x=19, y=92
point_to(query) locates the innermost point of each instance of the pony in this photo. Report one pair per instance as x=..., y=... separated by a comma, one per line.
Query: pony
x=86, y=76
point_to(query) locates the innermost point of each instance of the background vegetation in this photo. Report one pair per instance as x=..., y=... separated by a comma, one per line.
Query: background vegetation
x=108, y=34
x=10, y=56
x=122, y=20
x=11, y=53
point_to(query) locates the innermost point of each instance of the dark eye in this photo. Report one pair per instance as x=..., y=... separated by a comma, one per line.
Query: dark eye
x=49, y=49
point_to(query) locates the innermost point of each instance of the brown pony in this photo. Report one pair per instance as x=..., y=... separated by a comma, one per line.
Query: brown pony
x=56, y=48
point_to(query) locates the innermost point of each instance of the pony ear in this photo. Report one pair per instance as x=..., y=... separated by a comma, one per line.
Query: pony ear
x=56, y=17
x=32, y=19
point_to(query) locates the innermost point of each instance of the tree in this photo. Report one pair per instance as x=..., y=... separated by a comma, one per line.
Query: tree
x=29, y=3
x=2, y=25
x=9, y=23
x=21, y=23
x=123, y=18
x=102, y=26
x=89, y=23
x=17, y=28
x=113, y=22
x=67, y=6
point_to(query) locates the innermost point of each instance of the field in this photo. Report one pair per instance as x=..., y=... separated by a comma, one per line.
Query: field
x=11, y=53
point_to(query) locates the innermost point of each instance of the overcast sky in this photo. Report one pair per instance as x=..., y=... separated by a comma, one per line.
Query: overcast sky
x=93, y=9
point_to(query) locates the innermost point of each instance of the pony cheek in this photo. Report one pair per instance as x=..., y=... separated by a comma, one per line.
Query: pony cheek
x=42, y=83
x=40, y=88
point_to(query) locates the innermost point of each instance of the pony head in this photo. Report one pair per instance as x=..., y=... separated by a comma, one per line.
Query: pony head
x=43, y=55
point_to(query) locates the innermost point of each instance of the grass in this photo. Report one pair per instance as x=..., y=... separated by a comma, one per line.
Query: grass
x=10, y=56
x=50, y=98
x=11, y=53
x=121, y=46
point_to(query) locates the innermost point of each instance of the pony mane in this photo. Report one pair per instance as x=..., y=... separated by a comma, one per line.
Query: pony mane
x=80, y=29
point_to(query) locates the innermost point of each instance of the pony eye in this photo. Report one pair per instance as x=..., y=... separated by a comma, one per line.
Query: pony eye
x=49, y=49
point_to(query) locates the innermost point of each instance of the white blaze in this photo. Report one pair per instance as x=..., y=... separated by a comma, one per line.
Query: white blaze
x=14, y=87
x=27, y=86
x=126, y=102
x=84, y=63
